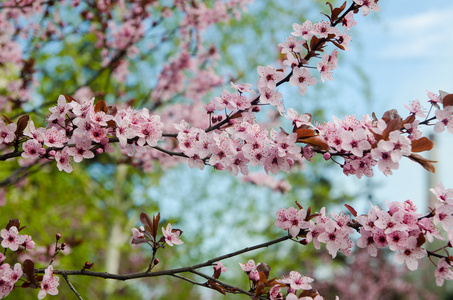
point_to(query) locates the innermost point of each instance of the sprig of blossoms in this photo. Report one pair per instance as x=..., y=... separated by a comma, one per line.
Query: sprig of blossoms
x=400, y=228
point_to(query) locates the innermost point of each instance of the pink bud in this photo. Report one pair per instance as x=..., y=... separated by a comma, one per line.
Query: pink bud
x=42, y=151
x=156, y=261
x=256, y=109
x=219, y=118
x=99, y=151
x=52, y=152
x=58, y=236
x=326, y=156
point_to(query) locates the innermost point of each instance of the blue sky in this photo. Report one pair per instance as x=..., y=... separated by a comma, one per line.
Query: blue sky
x=405, y=49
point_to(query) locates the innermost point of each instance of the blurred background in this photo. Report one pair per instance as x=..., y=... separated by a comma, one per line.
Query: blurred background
x=396, y=55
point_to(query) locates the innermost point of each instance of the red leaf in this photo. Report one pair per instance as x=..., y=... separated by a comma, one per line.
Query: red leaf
x=351, y=209
x=448, y=100
x=146, y=221
x=69, y=99
x=425, y=163
x=422, y=144
x=100, y=106
x=21, y=125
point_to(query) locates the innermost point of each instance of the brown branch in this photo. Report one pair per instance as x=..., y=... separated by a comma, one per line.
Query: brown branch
x=72, y=287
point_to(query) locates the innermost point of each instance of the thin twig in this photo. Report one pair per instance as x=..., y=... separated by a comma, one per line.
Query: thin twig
x=72, y=287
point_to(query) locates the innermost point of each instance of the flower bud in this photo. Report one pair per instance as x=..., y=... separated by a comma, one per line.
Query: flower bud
x=326, y=156
x=58, y=236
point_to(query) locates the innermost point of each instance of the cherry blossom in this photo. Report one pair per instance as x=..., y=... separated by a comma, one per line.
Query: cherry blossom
x=12, y=239
x=49, y=283
x=7, y=132
x=171, y=235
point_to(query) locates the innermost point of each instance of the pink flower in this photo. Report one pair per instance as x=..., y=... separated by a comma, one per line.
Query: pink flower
x=348, y=20
x=301, y=77
x=249, y=266
x=297, y=281
x=81, y=149
x=31, y=149
x=171, y=235
x=12, y=239
x=303, y=30
x=63, y=160
x=49, y=283
x=367, y=6
x=219, y=265
x=443, y=272
x=7, y=132
x=291, y=45
x=410, y=254
x=269, y=76
x=60, y=110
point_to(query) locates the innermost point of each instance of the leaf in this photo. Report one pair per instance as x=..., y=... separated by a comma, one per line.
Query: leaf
x=156, y=224
x=259, y=288
x=100, y=106
x=337, y=11
x=217, y=287
x=146, y=221
x=29, y=269
x=265, y=269
x=217, y=273
x=303, y=133
x=425, y=163
x=315, y=141
x=21, y=125
x=13, y=222
x=393, y=125
x=422, y=144
x=298, y=205
x=447, y=100
x=69, y=99
x=338, y=45
x=351, y=209
x=7, y=119
x=421, y=239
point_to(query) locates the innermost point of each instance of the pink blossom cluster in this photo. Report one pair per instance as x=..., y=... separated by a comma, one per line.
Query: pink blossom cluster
x=293, y=282
x=12, y=240
x=400, y=228
x=358, y=140
x=79, y=130
x=8, y=276
x=241, y=145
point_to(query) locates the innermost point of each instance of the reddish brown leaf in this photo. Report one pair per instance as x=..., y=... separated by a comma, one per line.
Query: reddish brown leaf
x=298, y=205
x=308, y=213
x=425, y=163
x=156, y=224
x=21, y=125
x=391, y=115
x=422, y=144
x=13, y=222
x=315, y=141
x=100, y=106
x=265, y=269
x=393, y=125
x=69, y=99
x=351, y=209
x=303, y=133
x=7, y=119
x=146, y=221
x=29, y=269
x=338, y=45
x=259, y=288
x=236, y=115
x=217, y=273
x=217, y=287
x=448, y=100
x=409, y=119
x=421, y=239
